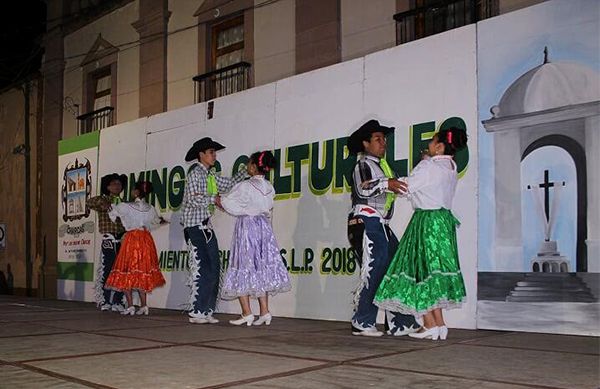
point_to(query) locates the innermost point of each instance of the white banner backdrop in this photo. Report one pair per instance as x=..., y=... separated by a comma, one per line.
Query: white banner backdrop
x=305, y=120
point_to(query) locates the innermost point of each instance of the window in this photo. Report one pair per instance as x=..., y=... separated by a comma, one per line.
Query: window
x=99, y=84
x=101, y=89
x=227, y=43
x=228, y=71
x=99, y=107
x=429, y=17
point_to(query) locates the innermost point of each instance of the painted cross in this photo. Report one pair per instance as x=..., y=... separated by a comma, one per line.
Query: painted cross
x=547, y=185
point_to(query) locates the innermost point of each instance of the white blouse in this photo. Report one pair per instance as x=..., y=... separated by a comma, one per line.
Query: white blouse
x=432, y=183
x=252, y=197
x=136, y=215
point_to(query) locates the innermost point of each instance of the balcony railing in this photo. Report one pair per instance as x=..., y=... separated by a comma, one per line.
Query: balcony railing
x=95, y=120
x=440, y=16
x=221, y=82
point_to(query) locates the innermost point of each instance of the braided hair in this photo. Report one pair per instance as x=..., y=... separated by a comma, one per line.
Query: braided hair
x=453, y=138
x=264, y=161
x=144, y=188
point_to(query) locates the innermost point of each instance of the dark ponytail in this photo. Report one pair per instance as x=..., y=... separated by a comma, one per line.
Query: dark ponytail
x=144, y=188
x=264, y=161
x=453, y=138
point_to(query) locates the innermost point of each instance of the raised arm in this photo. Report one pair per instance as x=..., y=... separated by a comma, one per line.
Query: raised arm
x=366, y=186
x=98, y=203
x=224, y=184
x=419, y=177
x=195, y=190
x=237, y=200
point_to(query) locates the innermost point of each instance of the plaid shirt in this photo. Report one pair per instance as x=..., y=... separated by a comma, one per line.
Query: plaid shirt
x=370, y=185
x=196, y=201
x=105, y=225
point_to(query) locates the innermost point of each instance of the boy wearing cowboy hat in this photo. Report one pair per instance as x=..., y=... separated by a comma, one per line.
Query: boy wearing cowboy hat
x=374, y=189
x=111, y=187
x=201, y=195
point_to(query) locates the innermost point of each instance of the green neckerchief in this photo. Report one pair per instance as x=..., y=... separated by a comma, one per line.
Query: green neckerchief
x=211, y=188
x=387, y=170
x=114, y=200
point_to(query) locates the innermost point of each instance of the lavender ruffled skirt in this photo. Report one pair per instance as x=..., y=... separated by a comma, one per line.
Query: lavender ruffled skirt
x=255, y=265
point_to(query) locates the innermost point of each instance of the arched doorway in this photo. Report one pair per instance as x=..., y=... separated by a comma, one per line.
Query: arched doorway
x=577, y=153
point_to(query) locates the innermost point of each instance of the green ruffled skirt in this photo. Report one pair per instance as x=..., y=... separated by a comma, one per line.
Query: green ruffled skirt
x=425, y=272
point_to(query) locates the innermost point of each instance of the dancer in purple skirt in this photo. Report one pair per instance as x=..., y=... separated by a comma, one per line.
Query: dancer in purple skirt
x=255, y=266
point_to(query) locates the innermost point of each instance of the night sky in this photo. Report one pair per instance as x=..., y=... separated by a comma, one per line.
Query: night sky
x=22, y=25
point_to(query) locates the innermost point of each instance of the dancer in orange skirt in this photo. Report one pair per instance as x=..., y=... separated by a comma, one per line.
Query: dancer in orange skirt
x=136, y=267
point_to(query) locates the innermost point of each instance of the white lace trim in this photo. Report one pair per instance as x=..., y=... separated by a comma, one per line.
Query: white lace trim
x=193, y=275
x=365, y=270
x=397, y=306
x=140, y=205
x=98, y=288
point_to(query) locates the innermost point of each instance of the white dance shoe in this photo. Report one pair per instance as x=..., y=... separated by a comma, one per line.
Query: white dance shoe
x=129, y=311
x=404, y=331
x=248, y=320
x=432, y=333
x=443, y=332
x=266, y=319
x=360, y=330
x=143, y=311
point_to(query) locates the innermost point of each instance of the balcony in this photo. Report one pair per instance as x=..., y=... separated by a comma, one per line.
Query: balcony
x=95, y=120
x=221, y=82
x=442, y=15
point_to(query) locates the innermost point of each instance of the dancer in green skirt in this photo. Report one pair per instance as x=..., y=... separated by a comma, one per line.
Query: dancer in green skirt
x=424, y=277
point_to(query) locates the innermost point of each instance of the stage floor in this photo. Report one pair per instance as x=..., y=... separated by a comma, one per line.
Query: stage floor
x=60, y=344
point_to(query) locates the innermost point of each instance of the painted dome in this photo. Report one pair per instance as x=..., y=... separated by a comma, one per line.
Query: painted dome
x=550, y=85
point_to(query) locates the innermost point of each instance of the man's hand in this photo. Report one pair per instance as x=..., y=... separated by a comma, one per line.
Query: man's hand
x=163, y=221
x=105, y=205
x=218, y=202
x=397, y=186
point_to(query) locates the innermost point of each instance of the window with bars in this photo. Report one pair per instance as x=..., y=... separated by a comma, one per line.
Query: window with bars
x=228, y=72
x=429, y=17
x=100, y=102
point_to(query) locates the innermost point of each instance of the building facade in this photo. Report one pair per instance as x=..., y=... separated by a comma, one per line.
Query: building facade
x=113, y=61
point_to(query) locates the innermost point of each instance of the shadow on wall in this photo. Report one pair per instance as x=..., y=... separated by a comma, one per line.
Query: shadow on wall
x=318, y=217
x=178, y=292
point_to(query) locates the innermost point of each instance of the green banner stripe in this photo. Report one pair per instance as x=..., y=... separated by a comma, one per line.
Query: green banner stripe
x=81, y=142
x=78, y=271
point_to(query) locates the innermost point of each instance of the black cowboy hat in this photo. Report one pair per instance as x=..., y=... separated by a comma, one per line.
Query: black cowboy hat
x=107, y=179
x=355, y=140
x=202, y=145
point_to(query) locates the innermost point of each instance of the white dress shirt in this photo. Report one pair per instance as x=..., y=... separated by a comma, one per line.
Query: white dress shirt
x=432, y=183
x=135, y=215
x=252, y=197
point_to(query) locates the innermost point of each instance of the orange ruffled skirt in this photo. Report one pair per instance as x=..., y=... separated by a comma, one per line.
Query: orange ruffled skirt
x=136, y=266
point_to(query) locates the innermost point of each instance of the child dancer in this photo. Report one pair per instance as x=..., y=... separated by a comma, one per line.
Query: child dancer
x=255, y=268
x=111, y=187
x=424, y=276
x=136, y=267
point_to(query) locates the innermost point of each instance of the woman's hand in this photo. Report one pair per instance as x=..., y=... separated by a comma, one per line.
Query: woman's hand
x=218, y=202
x=397, y=186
